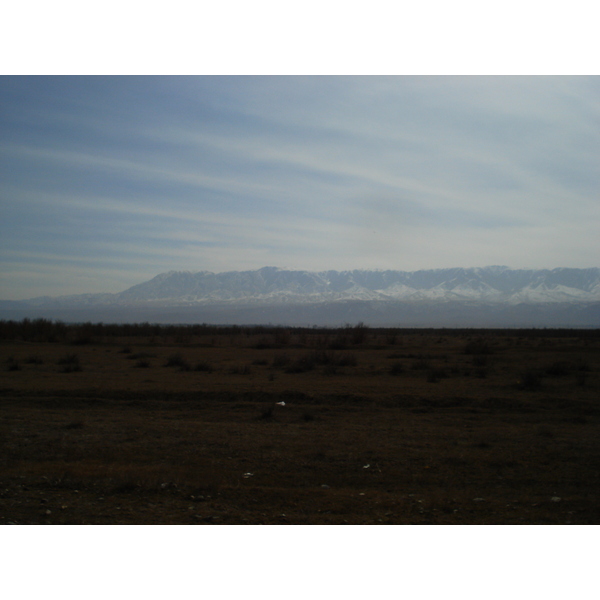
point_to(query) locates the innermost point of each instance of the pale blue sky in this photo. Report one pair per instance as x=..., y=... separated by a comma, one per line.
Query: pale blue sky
x=108, y=181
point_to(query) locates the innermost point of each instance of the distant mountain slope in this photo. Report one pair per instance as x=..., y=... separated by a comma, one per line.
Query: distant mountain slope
x=272, y=285
x=482, y=297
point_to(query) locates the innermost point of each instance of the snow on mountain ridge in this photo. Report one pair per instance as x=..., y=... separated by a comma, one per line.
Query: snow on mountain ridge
x=270, y=284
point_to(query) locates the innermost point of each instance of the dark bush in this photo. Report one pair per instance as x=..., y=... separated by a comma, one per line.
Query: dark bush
x=558, y=369
x=420, y=364
x=70, y=363
x=360, y=333
x=340, y=342
x=176, y=360
x=34, y=360
x=346, y=360
x=12, y=364
x=330, y=369
x=477, y=347
x=266, y=413
x=529, y=380
x=480, y=360
x=139, y=355
x=435, y=375
x=204, y=366
x=397, y=369
x=582, y=365
x=282, y=337
x=264, y=343
x=281, y=360
x=301, y=365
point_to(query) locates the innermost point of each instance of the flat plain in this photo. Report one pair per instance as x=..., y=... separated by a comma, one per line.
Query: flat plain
x=272, y=425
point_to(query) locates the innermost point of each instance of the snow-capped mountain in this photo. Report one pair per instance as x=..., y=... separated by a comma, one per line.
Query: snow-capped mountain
x=273, y=285
x=482, y=297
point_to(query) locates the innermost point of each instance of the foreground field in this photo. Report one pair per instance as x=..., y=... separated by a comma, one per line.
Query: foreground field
x=282, y=426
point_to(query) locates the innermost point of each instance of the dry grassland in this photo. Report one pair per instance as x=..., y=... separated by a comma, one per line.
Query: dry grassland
x=287, y=426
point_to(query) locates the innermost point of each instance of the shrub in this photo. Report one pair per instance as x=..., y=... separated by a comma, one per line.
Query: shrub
x=142, y=364
x=70, y=363
x=176, y=360
x=582, y=365
x=281, y=360
x=139, y=355
x=397, y=369
x=34, y=360
x=529, y=380
x=420, y=364
x=477, y=347
x=12, y=364
x=204, y=366
x=480, y=360
x=360, y=333
x=338, y=343
x=240, y=370
x=301, y=365
x=282, y=337
x=330, y=369
x=346, y=360
x=435, y=375
x=558, y=369
x=266, y=412
x=263, y=344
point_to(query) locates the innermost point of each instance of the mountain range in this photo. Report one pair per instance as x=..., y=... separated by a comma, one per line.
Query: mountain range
x=478, y=297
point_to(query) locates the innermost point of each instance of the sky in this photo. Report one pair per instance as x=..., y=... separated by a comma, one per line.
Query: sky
x=107, y=181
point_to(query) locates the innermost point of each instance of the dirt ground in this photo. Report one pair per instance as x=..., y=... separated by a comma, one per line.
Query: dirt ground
x=300, y=427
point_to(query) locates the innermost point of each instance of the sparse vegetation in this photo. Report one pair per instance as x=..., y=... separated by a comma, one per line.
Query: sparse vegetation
x=203, y=366
x=34, y=360
x=240, y=370
x=12, y=364
x=397, y=369
x=177, y=360
x=479, y=346
x=529, y=380
x=69, y=363
x=287, y=424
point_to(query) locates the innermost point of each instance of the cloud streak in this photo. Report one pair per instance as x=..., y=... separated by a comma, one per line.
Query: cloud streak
x=128, y=177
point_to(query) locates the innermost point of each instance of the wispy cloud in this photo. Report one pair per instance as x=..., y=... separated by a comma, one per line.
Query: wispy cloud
x=128, y=177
